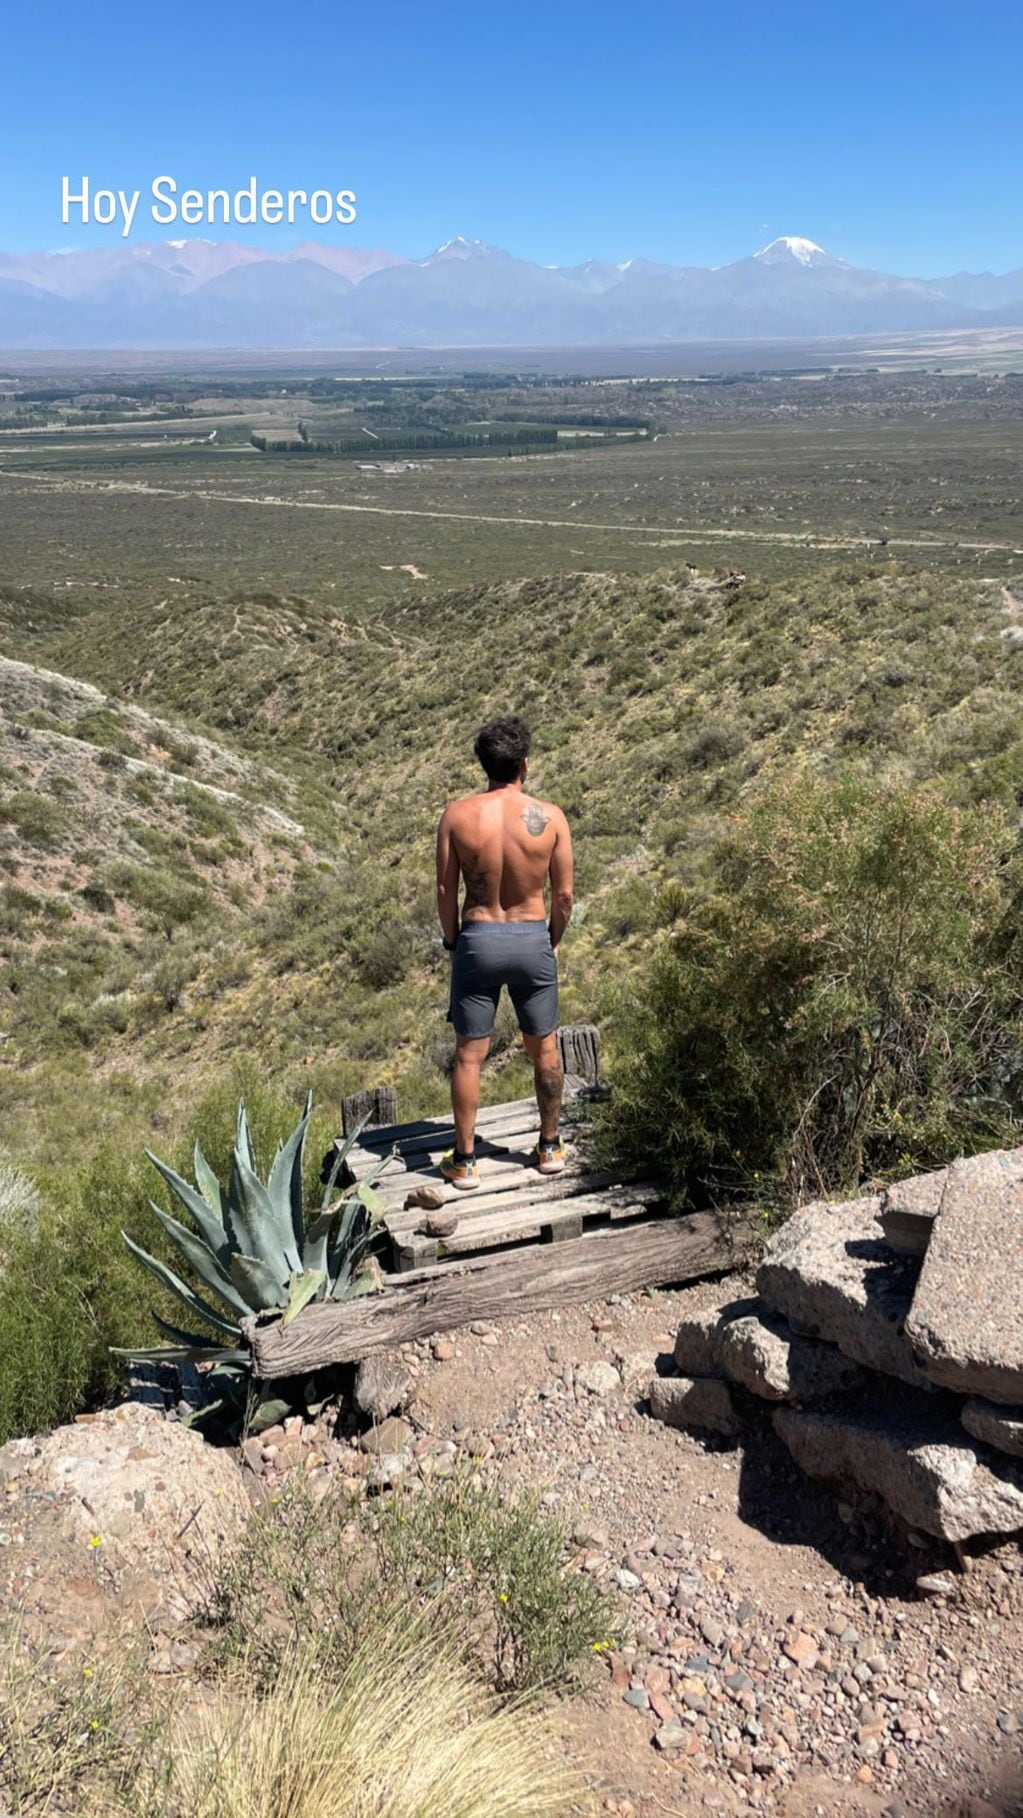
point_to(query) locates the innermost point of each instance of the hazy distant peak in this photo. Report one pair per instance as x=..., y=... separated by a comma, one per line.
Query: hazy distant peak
x=792, y=246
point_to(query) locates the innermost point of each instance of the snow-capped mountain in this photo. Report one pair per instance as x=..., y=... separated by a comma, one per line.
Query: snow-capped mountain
x=793, y=247
x=197, y=293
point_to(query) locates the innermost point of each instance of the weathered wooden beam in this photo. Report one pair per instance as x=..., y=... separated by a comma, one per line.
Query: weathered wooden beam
x=657, y=1253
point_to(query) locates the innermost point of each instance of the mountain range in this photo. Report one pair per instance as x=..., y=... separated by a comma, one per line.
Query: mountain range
x=195, y=294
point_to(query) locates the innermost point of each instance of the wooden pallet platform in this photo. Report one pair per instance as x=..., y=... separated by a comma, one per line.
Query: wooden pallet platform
x=515, y=1202
x=524, y=1242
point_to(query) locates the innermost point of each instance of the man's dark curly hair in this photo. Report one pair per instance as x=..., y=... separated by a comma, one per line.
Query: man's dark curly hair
x=502, y=747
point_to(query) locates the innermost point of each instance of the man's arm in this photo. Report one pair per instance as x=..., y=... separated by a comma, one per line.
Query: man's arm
x=561, y=878
x=448, y=873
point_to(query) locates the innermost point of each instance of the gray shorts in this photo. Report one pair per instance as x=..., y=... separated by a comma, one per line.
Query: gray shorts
x=491, y=954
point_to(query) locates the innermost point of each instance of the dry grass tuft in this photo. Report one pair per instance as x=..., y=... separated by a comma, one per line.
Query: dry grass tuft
x=405, y=1733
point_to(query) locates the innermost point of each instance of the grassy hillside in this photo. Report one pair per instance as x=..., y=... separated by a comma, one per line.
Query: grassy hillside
x=230, y=848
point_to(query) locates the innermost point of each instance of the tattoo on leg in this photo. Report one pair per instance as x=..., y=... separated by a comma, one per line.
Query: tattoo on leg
x=535, y=818
x=550, y=1083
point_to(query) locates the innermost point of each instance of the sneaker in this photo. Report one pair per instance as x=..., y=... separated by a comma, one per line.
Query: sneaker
x=549, y=1157
x=462, y=1175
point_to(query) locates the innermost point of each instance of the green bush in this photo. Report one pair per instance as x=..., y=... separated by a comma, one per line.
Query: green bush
x=39, y=821
x=843, y=998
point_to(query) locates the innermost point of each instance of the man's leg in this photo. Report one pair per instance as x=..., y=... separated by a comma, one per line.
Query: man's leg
x=470, y=1053
x=550, y=1081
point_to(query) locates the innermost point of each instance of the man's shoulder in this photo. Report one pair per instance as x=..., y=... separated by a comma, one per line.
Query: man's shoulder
x=460, y=810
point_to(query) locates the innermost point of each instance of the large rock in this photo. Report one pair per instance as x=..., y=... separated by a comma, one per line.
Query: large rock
x=995, y=1426
x=908, y=1211
x=763, y=1354
x=966, y=1321
x=697, y=1341
x=702, y=1402
x=829, y=1272
x=916, y=1458
x=138, y=1495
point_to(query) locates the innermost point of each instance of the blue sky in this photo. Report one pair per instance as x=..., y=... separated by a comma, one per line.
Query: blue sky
x=692, y=131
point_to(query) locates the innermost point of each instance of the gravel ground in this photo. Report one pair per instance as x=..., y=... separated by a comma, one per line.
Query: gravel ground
x=777, y=1651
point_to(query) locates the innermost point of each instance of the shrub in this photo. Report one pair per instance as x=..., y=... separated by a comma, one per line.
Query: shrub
x=843, y=998
x=20, y=1200
x=491, y=1572
x=39, y=820
x=166, y=900
x=382, y=955
x=503, y=1566
x=74, y=1739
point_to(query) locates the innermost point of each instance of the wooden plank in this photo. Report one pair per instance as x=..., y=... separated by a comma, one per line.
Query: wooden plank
x=520, y=1132
x=508, y=1283
x=548, y=1220
x=398, y=1133
x=522, y=1220
x=533, y=1187
x=495, y=1172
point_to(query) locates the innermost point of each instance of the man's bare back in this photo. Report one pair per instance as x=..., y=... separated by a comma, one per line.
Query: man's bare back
x=505, y=844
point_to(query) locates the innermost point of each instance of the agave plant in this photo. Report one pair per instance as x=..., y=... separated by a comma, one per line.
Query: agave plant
x=252, y=1248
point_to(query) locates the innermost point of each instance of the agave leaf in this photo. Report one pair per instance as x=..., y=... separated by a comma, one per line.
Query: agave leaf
x=317, y=1237
x=379, y=1166
x=181, y=1289
x=200, y=1258
x=341, y=1157
x=243, y=1139
x=268, y=1414
x=191, y=1341
x=206, y=1218
x=255, y=1226
x=373, y=1201
x=284, y=1185
x=353, y=1243
x=208, y=1184
x=258, y=1282
x=182, y=1353
x=303, y=1288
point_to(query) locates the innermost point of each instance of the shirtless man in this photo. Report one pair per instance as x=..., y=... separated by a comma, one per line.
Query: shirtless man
x=504, y=844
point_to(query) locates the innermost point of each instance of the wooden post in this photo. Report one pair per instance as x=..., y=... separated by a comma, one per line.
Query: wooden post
x=378, y=1107
x=579, y=1047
